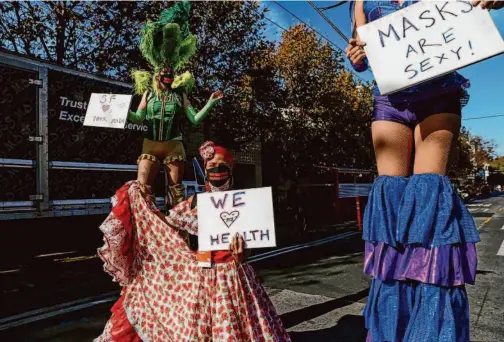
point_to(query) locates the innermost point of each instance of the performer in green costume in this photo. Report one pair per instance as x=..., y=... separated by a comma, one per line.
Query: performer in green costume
x=167, y=44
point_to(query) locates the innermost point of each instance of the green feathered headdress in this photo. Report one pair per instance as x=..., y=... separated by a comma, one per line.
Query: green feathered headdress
x=167, y=42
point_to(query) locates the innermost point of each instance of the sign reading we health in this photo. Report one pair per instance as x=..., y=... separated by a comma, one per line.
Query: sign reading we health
x=426, y=40
x=107, y=110
x=223, y=214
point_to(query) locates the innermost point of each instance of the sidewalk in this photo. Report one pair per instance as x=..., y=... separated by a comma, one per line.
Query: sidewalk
x=487, y=296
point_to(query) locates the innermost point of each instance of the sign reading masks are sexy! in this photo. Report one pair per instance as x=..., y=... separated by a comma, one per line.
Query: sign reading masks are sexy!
x=426, y=40
x=247, y=212
x=107, y=110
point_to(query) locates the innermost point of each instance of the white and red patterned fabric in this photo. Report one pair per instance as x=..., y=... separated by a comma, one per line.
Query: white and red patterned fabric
x=167, y=296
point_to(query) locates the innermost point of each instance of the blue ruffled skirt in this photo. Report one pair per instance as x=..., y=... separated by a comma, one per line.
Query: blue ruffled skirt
x=420, y=251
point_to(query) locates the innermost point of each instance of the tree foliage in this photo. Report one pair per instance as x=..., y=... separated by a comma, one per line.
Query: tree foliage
x=471, y=154
x=98, y=37
x=498, y=164
x=462, y=162
x=295, y=98
x=325, y=115
x=484, y=151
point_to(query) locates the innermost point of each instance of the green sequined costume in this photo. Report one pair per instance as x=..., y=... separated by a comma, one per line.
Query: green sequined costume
x=164, y=113
x=167, y=42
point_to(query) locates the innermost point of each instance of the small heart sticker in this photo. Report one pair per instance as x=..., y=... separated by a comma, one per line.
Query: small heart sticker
x=229, y=218
x=105, y=107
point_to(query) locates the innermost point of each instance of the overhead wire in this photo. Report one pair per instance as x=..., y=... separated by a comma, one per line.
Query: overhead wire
x=301, y=20
x=335, y=28
x=314, y=30
x=346, y=39
x=483, y=117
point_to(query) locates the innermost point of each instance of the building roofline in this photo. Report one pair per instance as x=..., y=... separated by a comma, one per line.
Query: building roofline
x=16, y=59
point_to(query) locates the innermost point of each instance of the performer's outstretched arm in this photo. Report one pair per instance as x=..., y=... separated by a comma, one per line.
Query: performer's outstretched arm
x=139, y=116
x=197, y=117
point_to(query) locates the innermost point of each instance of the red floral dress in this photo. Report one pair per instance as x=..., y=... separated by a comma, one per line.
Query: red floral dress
x=166, y=295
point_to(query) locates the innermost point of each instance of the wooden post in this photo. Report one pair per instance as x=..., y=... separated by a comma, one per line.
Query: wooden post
x=357, y=204
x=336, y=200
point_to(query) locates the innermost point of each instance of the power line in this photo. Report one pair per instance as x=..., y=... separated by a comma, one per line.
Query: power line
x=274, y=23
x=335, y=28
x=333, y=6
x=301, y=20
x=284, y=29
x=317, y=32
x=483, y=117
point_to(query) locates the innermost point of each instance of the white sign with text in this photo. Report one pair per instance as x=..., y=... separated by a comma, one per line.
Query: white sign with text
x=426, y=40
x=107, y=110
x=248, y=212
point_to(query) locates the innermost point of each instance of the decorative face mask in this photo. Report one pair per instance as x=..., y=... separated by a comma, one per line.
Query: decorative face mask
x=219, y=167
x=220, y=177
x=166, y=77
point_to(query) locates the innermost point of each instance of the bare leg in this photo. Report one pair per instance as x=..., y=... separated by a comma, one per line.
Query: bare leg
x=147, y=171
x=435, y=138
x=175, y=171
x=393, y=143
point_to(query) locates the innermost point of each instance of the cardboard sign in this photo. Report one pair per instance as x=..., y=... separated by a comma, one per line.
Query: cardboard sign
x=426, y=40
x=223, y=214
x=107, y=110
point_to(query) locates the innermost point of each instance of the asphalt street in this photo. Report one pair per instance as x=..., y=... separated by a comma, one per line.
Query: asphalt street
x=320, y=291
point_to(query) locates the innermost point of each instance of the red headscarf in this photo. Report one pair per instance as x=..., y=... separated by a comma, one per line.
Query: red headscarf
x=208, y=150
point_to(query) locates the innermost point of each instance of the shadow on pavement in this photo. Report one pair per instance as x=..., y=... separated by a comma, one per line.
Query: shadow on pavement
x=294, y=318
x=80, y=326
x=350, y=328
x=50, y=261
x=320, y=262
x=304, y=258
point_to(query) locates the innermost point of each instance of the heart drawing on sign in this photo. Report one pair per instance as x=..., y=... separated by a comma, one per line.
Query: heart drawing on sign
x=229, y=218
x=105, y=108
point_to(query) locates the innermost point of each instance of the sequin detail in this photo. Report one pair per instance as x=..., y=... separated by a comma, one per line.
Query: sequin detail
x=416, y=312
x=382, y=209
x=444, y=265
x=432, y=214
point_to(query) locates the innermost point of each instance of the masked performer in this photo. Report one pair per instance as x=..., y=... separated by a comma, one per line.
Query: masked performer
x=167, y=295
x=419, y=237
x=167, y=44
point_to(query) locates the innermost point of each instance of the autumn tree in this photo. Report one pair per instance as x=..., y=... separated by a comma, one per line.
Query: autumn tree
x=325, y=118
x=498, y=164
x=463, y=158
x=231, y=49
x=484, y=150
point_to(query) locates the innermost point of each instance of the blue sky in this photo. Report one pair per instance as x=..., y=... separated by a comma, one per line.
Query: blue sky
x=487, y=78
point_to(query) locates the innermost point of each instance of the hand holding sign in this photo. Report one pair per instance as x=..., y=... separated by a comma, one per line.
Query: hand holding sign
x=427, y=40
x=355, y=51
x=488, y=4
x=236, y=247
x=221, y=215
